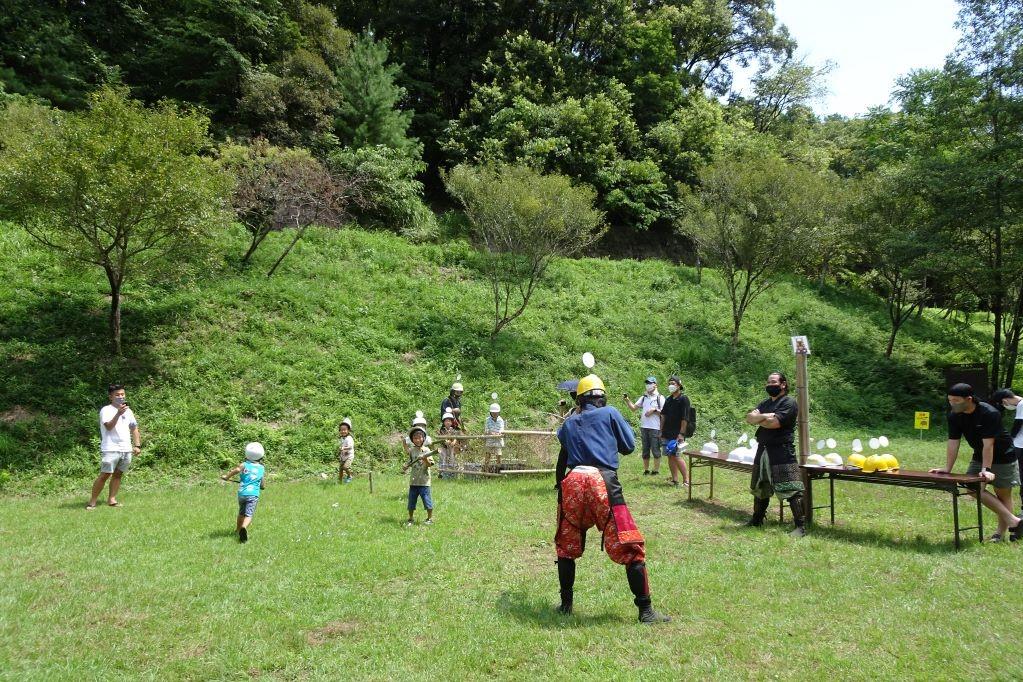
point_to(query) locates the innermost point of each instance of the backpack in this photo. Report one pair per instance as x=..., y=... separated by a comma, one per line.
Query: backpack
x=691, y=421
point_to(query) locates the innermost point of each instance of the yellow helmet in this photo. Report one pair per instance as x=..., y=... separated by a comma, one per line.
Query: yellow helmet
x=870, y=466
x=857, y=460
x=890, y=463
x=590, y=382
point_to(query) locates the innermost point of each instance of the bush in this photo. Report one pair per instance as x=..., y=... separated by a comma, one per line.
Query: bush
x=393, y=195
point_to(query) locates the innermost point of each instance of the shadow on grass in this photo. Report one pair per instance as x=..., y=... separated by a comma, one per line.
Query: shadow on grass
x=222, y=533
x=535, y=611
x=917, y=545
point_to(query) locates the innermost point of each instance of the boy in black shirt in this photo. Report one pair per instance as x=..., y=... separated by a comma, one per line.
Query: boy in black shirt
x=993, y=455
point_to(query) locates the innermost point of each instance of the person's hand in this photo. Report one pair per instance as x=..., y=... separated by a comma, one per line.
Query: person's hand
x=136, y=449
x=987, y=475
x=121, y=409
x=939, y=471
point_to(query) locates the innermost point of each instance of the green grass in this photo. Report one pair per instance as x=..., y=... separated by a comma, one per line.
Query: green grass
x=364, y=324
x=331, y=587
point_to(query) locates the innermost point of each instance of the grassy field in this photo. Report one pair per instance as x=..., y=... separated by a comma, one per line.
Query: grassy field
x=330, y=586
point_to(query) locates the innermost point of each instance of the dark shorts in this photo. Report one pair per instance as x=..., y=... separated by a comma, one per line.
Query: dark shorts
x=417, y=491
x=247, y=506
x=1006, y=474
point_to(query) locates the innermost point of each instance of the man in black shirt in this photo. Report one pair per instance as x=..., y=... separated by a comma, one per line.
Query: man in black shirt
x=775, y=468
x=674, y=420
x=993, y=455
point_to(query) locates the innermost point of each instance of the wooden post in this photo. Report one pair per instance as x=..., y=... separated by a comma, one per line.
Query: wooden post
x=803, y=397
x=370, y=481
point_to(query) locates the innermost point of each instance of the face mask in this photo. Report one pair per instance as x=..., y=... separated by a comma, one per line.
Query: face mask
x=672, y=388
x=773, y=390
x=1009, y=406
x=651, y=388
x=959, y=408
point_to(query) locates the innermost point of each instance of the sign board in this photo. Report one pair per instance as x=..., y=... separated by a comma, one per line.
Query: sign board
x=800, y=345
x=922, y=420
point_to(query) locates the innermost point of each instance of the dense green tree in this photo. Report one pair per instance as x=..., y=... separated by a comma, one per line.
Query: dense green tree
x=370, y=112
x=118, y=187
x=522, y=220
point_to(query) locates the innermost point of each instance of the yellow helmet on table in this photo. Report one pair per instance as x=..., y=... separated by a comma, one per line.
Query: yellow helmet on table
x=870, y=465
x=857, y=460
x=590, y=382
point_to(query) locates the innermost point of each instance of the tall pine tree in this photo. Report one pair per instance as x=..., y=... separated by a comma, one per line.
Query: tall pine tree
x=369, y=113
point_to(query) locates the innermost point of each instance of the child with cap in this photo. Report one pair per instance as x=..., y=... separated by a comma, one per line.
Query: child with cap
x=346, y=451
x=449, y=446
x=251, y=481
x=419, y=462
x=493, y=446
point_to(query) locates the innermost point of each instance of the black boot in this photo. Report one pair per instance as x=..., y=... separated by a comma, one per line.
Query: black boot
x=759, y=512
x=566, y=577
x=639, y=583
x=798, y=517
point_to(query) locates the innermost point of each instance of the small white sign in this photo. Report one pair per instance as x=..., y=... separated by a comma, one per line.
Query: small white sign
x=800, y=345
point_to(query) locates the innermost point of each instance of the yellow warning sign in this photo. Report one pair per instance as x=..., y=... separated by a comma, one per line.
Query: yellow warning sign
x=922, y=420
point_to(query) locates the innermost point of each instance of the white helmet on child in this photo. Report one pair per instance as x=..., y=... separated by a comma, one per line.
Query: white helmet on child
x=254, y=451
x=494, y=407
x=457, y=387
x=447, y=415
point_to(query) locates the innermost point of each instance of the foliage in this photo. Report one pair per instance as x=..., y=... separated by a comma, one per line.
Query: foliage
x=393, y=196
x=523, y=220
x=118, y=187
x=276, y=189
x=751, y=219
x=369, y=114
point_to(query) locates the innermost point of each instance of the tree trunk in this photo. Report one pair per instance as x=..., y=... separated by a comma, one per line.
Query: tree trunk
x=115, y=313
x=257, y=239
x=298, y=235
x=891, y=342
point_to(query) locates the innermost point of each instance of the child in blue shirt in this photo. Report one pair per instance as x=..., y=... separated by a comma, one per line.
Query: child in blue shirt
x=251, y=480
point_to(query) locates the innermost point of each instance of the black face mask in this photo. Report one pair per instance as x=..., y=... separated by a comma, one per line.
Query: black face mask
x=773, y=390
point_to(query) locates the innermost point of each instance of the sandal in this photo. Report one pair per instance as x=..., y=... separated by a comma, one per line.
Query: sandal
x=90, y=507
x=997, y=537
x=114, y=504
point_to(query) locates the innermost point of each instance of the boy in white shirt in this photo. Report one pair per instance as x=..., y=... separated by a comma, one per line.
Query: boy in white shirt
x=493, y=446
x=119, y=441
x=346, y=451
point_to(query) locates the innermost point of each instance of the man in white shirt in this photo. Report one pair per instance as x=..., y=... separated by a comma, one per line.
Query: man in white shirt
x=650, y=405
x=1010, y=401
x=119, y=440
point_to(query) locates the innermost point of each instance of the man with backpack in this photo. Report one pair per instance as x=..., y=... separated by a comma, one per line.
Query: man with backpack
x=649, y=405
x=675, y=417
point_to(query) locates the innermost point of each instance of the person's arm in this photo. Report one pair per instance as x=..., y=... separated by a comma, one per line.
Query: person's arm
x=117, y=415
x=1016, y=426
x=656, y=409
x=136, y=438
x=987, y=457
x=623, y=434
x=754, y=416
x=561, y=467
x=632, y=406
x=951, y=454
x=232, y=472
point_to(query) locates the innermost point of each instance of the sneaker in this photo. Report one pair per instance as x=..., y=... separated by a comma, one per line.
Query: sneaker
x=646, y=473
x=996, y=537
x=673, y=484
x=408, y=524
x=1016, y=532
x=243, y=535
x=798, y=532
x=348, y=479
x=648, y=616
x=654, y=473
x=428, y=522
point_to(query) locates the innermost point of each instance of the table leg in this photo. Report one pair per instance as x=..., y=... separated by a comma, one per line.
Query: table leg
x=711, y=481
x=690, y=486
x=980, y=513
x=955, y=515
x=781, y=511
x=808, y=505
x=831, y=480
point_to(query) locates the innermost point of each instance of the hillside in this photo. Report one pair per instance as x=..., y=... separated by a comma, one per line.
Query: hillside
x=367, y=325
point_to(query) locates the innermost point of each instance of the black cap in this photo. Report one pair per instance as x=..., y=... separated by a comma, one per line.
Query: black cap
x=961, y=390
x=1002, y=394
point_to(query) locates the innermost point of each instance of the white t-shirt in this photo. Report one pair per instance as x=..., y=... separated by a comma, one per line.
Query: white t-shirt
x=348, y=446
x=650, y=402
x=117, y=439
x=1018, y=440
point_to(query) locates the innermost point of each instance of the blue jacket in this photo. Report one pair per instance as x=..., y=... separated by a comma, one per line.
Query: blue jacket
x=595, y=437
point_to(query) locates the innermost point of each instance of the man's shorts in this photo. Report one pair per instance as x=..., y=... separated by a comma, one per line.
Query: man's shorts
x=1006, y=475
x=651, y=439
x=247, y=506
x=417, y=491
x=109, y=461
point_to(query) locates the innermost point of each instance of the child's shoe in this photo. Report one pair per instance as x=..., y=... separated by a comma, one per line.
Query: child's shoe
x=408, y=524
x=348, y=479
x=428, y=522
x=243, y=535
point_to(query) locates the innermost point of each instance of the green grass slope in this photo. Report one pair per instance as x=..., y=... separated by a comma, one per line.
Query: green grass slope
x=364, y=324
